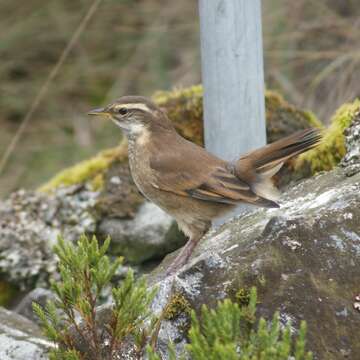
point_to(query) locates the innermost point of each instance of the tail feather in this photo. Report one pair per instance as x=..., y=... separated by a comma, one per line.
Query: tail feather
x=265, y=162
x=281, y=150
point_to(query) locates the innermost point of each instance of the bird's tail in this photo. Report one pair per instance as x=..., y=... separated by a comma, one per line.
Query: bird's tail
x=267, y=161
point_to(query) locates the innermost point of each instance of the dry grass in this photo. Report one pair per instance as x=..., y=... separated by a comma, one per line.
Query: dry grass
x=128, y=47
x=312, y=51
x=135, y=46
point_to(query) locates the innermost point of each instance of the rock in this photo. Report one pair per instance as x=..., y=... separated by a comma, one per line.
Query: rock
x=21, y=339
x=151, y=234
x=30, y=223
x=39, y=296
x=303, y=258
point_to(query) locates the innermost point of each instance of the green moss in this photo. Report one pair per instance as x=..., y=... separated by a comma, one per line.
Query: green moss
x=176, y=306
x=7, y=293
x=88, y=170
x=97, y=183
x=313, y=120
x=332, y=149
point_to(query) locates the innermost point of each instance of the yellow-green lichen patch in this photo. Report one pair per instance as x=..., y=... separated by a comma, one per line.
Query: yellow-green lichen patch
x=185, y=109
x=176, y=306
x=89, y=170
x=98, y=181
x=332, y=148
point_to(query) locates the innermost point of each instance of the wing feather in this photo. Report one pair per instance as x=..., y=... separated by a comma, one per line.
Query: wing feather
x=179, y=172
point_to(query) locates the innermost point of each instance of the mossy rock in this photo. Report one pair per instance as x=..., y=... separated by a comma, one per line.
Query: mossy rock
x=185, y=109
x=332, y=149
x=119, y=197
x=91, y=170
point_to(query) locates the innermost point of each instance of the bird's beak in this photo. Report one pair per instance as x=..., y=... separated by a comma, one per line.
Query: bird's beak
x=99, y=111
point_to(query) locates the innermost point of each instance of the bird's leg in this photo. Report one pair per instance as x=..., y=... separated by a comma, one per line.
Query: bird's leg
x=185, y=253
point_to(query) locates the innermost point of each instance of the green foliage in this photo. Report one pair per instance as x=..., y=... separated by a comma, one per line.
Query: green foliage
x=132, y=302
x=221, y=331
x=229, y=332
x=85, y=271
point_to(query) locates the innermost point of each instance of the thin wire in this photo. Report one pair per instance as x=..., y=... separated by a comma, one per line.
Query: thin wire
x=39, y=97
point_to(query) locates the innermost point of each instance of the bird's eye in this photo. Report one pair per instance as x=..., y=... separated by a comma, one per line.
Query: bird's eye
x=123, y=111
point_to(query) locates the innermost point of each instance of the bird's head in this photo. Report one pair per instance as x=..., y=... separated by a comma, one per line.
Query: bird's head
x=134, y=114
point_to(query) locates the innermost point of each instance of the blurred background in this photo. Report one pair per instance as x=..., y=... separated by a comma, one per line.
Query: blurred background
x=311, y=49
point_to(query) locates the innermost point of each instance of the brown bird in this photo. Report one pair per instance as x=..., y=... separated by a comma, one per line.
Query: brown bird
x=188, y=182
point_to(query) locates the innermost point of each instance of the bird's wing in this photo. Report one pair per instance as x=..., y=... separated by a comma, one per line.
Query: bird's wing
x=189, y=170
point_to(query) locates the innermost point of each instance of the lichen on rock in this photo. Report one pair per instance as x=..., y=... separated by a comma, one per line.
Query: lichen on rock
x=303, y=257
x=30, y=223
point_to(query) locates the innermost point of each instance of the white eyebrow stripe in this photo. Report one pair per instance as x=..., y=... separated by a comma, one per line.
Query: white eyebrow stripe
x=134, y=106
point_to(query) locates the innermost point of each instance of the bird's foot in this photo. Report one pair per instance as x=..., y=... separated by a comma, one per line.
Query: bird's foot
x=182, y=258
x=178, y=263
